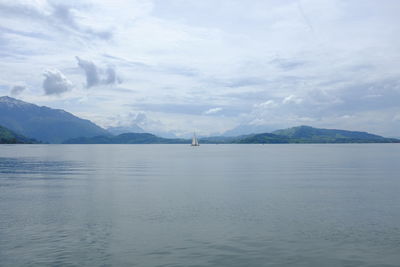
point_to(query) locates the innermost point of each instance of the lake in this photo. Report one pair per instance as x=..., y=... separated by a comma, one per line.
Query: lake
x=213, y=205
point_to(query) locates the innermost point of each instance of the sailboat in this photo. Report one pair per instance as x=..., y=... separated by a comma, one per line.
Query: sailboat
x=195, y=142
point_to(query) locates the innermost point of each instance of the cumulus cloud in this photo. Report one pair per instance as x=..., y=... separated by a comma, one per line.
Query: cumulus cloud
x=267, y=104
x=212, y=111
x=129, y=119
x=92, y=75
x=139, y=118
x=17, y=89
x=97, y=75
x=292, y=99
x=55, y=83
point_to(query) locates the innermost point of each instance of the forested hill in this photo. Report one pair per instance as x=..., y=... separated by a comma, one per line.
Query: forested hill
x=9, y=137
x=301, y=134
x=307, y=134
x=126, y=138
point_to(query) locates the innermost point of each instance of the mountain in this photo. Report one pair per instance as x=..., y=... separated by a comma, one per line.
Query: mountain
x=9, y=137
x=125, y=129
x=43, y=123
x=137, y=129
x=246, y=129
x=301, y=134
x=307, y=134
x=127, y=138
x=222, y=139
x=264, y=138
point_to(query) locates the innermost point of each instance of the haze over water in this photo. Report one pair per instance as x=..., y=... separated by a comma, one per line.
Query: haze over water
x=215, y=205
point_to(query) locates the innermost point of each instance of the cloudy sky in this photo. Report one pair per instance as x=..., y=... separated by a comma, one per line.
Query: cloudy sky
x=207, y=65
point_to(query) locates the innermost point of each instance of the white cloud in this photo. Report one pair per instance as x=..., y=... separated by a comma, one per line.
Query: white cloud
x=55, y=83
x=267, y=104
x=97, y=75
x=292, y=99
x=212, y=111
x=347, y=116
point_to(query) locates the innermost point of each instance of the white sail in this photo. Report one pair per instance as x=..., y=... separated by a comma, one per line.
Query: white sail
x=195, y=142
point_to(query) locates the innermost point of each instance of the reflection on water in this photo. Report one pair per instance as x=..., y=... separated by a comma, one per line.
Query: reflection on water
x=226, y=205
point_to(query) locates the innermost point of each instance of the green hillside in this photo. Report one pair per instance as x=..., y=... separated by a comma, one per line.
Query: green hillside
x=310, y=135
x=9, y=137
x=126, y=138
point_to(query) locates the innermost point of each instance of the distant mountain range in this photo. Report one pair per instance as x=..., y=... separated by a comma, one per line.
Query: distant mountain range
x=125, y=129
x=22, y=122
x=43, y=123
x=245, y=129
x=307, y=134
x=295, y=135
x=9, y=137
x=126, y=138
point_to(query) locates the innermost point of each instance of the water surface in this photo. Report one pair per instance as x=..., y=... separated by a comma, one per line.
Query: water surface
x=213, y=205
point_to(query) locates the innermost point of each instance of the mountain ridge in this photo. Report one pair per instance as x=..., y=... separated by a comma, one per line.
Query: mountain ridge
x=311, y=135
x=43, y=123
x=59, y=126
x=294, y=135
x=126, y=138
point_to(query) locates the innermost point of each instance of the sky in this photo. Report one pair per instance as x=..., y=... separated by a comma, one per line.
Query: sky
x=208, y=66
